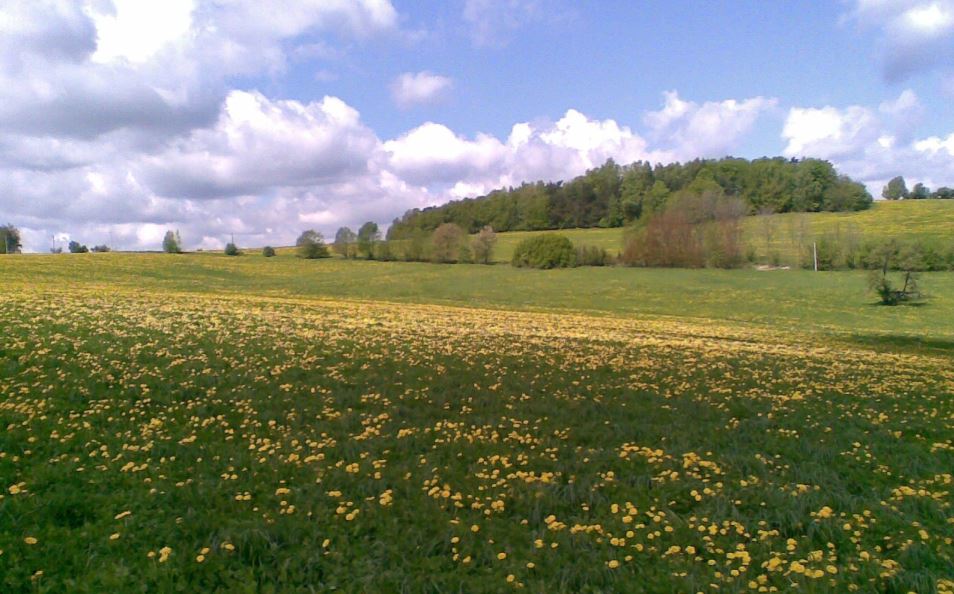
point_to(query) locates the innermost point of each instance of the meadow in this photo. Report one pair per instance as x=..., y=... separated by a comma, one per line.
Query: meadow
x=203, y=423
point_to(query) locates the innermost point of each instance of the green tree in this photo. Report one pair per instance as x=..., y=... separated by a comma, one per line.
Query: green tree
x=268, y=252
x=76, y=247
x=943, y=193
x=172, y=243
x=368, y=235
x=344, y=242
x=920, y=192
x=232, y=250
x=311, y=245
x=9, y=240
x=895, y=190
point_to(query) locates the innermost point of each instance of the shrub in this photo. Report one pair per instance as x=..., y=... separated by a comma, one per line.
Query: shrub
x=268, y=252
x=232, y=250
x=101, y=249
x=548, y=250
x=311, y=245
x=591, y=255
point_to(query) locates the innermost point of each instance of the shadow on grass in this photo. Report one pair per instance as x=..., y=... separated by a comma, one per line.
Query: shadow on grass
x=904, y=342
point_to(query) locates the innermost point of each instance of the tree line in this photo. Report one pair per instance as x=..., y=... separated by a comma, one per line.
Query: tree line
x=614, y=195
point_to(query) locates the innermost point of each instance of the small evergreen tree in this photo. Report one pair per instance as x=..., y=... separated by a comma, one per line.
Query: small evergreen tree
x=232, y=250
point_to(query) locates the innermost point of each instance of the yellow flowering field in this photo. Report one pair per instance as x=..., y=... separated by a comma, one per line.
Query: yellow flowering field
x=156, y=440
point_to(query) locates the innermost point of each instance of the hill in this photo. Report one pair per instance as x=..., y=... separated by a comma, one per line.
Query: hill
x=931, y=221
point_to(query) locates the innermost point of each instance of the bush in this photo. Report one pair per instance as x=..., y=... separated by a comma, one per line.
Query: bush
x=548, y=250
x=232, y=250
x=101, y=249
x=268, y=252
x=311, y=245
x=591, y=255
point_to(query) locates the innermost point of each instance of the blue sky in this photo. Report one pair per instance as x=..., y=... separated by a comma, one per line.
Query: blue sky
x=120, y=119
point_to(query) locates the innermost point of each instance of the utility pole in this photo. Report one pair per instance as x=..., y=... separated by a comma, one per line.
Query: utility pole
x=815, y=254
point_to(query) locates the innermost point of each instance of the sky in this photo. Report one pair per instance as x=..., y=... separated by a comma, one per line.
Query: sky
x=121, y=119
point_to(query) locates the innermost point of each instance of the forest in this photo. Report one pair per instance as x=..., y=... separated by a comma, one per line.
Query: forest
x=614, y=195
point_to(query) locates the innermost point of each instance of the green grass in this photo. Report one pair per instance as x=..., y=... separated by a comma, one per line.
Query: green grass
x=205, y=423
x=836, y=303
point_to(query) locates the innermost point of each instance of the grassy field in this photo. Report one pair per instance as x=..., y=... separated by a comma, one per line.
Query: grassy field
x=926, y=220
x=198, y=422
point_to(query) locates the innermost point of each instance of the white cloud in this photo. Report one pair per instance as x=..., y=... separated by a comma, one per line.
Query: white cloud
x=829, y=132
x=135, y=31
x=711, y=129
x=411, y=89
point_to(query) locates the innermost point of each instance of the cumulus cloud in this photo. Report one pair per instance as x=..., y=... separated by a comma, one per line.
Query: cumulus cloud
x=709, y=129
x=259, y=144
x=871, y=144
x=410, y=89
x=916, y=35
